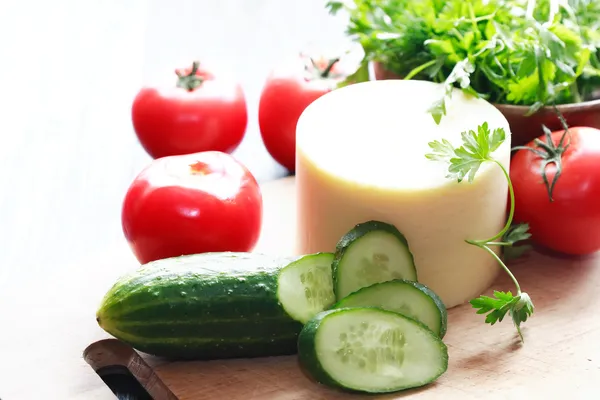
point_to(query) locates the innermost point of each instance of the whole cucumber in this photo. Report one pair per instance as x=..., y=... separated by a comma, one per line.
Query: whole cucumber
x=202, y=306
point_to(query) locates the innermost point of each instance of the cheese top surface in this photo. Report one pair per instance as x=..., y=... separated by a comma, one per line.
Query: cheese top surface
x=376, y=133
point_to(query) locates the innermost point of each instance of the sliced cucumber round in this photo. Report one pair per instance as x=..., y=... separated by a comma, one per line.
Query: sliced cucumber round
x=305, y=286
x=410, y=298
x=371, y=252
x=370, y=350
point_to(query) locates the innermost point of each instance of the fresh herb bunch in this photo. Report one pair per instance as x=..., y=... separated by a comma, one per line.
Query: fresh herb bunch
x=464, y=163
x=521, y=52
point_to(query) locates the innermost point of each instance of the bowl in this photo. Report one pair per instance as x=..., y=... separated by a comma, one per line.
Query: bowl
x=526, y=128
x=379, y=72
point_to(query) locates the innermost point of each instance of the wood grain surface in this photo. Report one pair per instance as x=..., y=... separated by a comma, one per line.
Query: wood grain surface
x=560, y=358
x=68, y=74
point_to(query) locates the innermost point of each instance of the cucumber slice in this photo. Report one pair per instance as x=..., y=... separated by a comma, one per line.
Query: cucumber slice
x=305, y=286
x=410, y=298
x=370, y=253
x=370, y=350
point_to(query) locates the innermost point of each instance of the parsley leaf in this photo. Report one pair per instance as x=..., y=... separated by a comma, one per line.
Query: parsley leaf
x=520, y=308
x=460, y=73
x=438, y=110
x=517, y=233
x=514, y=252
x=334, y=6
x=442, y=151
x=508, y=51
x=521, y=311
x=464, y=162
x=495, y=307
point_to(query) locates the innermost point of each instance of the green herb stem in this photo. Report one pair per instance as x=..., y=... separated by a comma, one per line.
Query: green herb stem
x=484, y=17
x=463, y=163
x=493, y=253
x=554, y=9
x=576, y=94
x=473, y=22
x=510, y=214
x=530, y=8
x=419, y=69
x=457, y=33
x=499, y=244
x=484, y=244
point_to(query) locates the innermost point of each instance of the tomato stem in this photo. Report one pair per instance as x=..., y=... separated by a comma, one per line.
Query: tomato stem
x=190, y=81
x=327, y=70
x=550, y=153
x=199, y=168
x=565, y=126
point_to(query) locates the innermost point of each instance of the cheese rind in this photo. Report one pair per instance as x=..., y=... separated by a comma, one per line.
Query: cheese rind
x=346, y=176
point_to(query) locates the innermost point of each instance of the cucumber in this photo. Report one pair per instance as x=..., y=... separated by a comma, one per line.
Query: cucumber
x=371, y=252
x=370, y=350
x=410, y=298
x=305, y=287
x=203, y=306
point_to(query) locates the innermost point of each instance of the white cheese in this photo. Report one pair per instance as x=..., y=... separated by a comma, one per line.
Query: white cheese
x=361, y=156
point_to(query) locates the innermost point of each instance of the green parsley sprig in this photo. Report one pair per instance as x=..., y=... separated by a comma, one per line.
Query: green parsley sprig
x=463, y=163
x=521, y=52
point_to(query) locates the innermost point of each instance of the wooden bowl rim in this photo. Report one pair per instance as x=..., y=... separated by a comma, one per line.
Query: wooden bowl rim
x=583, y=106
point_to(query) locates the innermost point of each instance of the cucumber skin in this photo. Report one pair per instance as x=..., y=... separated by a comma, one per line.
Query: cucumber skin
x=309, y=359
x=357, y=232
x=307, y=351
x=228, y=300
x=425, y=289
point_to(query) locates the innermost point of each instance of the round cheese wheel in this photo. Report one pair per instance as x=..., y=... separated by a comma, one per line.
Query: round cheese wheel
x=361, y=156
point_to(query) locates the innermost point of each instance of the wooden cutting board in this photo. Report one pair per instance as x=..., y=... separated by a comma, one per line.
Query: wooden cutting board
x=559, y=359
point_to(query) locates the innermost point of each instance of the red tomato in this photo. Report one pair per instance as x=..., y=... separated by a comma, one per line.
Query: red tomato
x=192, y=203
x=570, y=223
x=202, y=112
x=285, y=95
